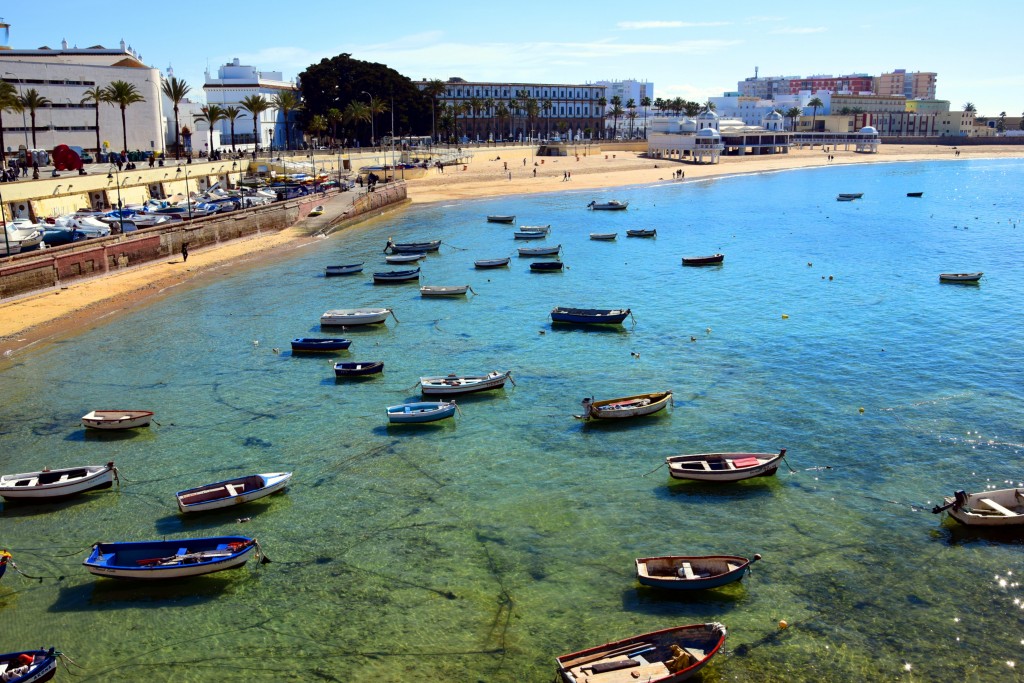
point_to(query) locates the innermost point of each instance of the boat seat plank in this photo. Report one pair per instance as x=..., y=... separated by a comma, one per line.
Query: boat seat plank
x=182, y=551
x=234, y=490
x=732, y=567
x=998, y=508
x=696, y=653
x=644, y=672
x=688, y=571
x=746, y=462
x=706, y=464
x=3, y=668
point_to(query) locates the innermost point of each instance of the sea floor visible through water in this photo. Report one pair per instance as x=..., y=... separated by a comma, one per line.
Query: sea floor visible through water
x=479, y=548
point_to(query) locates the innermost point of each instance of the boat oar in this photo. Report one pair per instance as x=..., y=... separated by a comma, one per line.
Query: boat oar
x=572, y=663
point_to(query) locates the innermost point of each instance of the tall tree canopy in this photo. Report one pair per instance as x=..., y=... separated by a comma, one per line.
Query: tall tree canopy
x=337, y=82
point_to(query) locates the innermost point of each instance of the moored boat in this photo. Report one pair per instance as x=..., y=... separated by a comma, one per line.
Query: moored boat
x=117, y=419
x=589, y=316
x=464, y=384
x=48, y=485
x=231, y=492
x=358, y=368
x=992, y=508
x=28, y=666
x=342, y=317
x=346, y=269
x=535, y=228
x=169, y=559
x=540, y=251
x=915, y=194
x=529, y=235
x=412, y=247
x=847, y=196
x=670, y=655
x=626, y=406
x=692, y=572
x=501, y=219
x=724, y=466
x=642, y=232
x=713, y=260
x=422, y=411
x=613, y=205
x=969, y=278
x=437, y=290
x=405, y=258
x=546, y=266
x=603, y=236
x=397, y=276
x=314, y=344
x=492, y=262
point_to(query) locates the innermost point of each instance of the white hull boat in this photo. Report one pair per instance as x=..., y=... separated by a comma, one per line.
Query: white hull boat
x=117, y=419
x=627, y=406
x=540, y=251
x=171, y=559
x=230, y=492
x=48, y=485
x=995, y=508
x=463, y=384
x=724, y=466
x=434, y=290
x=343, y=317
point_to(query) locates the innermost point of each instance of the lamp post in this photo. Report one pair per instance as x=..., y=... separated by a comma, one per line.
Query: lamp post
x=117, y=182
x=371, y=115
x=188, y=195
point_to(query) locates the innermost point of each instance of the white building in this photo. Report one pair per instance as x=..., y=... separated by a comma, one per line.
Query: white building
x=235, y=82
x=752, y=110
x=709, y=136
x=62, y=75
x=627, y=90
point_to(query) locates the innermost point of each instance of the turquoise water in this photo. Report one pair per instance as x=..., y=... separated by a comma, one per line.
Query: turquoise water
x=480, y=549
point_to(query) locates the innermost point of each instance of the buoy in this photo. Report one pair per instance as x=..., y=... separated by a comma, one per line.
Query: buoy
x=540, y=331
x=785, y=317
x=707, y=330
x=809, y=264
x=830, y=278
x=783, y=624
x=861, y=409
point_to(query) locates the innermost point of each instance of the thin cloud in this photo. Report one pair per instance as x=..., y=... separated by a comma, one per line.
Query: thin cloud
x=795, y=30
x=638, y=25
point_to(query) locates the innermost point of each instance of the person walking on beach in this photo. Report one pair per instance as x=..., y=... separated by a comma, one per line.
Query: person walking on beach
x=184, y=252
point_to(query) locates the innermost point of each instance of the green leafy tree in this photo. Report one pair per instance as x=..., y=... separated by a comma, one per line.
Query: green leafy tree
x=33, y=101
x=286, y=102
x=334, y=117
x=815, y=104
x=231, y=115
x=96, y=95
x=615, y=112
x=602, y=104
x=8, y=102
x=969, y=107
x=1001, y=123
x=255, y=105
x=692, y=109
x=211, y=114
x=175, y=90
x=124, y=94
x=356, y=112
x=502, y=113
x=317, y=126
x=377, y=106
x=645, y=102
x=793, y=113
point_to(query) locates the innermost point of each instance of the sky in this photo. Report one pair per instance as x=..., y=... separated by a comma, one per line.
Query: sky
x=686, y=49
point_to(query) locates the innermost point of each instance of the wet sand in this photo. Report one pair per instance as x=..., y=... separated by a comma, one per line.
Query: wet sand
x=52, y=314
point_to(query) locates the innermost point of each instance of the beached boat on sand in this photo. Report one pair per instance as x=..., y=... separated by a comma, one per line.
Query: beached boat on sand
x=49, y=485
x=231, y=492
x=670, y=655
x=464, y=384
x=626, y=406
x=724, y=466
x=173, y=559
x=692, y=572
x=994, y=508
x=342, y=317
x=117, y=419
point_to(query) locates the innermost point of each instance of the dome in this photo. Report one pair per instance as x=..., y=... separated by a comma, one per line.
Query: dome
x=706, y=115
x=773, y=116
x=687, y=125
x=869, y=130
x=708, y=133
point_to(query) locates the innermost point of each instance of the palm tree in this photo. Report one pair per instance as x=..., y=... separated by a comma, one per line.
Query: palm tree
x=317, y=125
x=631, y=114
x=334, y=117
x=645, y=102
x=230, y=114
x=546, y=106
x=603, y=104
x=97, y=95
x=175, y=90
x=433, y=90
x=476, y=105
x=286, y=102
x=124, y=94
x=377, y=106
x=969, y=107
x=691, y=108
x=532, y=112
x=709, y=105
x=793, y=113
x=501, y=113
x=211, y=114
x=255, y=105
x=489, y=110
x=32, y=101
x=8, y=102
x=356, y=112
x=615, y=112
x=814, y=104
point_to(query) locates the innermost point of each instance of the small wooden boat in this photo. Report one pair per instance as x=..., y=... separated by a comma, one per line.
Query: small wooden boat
x=670, y=655
x=48, y=485
x=397, y=276
x=841, y=198
x=724, y=466
x=424, y=411
x=173, y=559
x=358, y=368
x=314, y=345
x=529, y=235
x=535, y=228
x=501, y=219
x=713, y=260
x=969, y=278
x=589, y=316
x=117, y=419
x=546, y=266
x=699, y=572
x=847, y=196
x=540, y=251
x=343, y=317
x=347, y=269
x=28, y=666
x=436, y=290
x=627, y=406
x=229, y=492
x=613, y=205
x=603, y=236
x=4, y=557
x=412, y=247
x=317, y=211
x=405, y=258
x=464, y=384
x=915, y=194
x=492, y=262
x=995, y=508
x=642, y=232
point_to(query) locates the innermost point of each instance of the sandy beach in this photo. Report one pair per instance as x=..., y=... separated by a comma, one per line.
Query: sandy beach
x=51, y=314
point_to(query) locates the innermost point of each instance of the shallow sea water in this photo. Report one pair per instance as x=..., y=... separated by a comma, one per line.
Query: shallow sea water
x=479, y=549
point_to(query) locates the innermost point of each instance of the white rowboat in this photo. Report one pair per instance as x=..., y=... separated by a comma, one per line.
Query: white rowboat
x=464, y=384
x=48, y=485
x=232, y=491
x=434, y=290
x=117, y=419
x=342, y=317
x=995, y=508
x=724, y=466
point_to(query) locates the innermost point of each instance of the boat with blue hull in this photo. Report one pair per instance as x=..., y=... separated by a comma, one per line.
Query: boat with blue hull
x=589, y=316
x=358, y=368
x=692, y=572
x=173, y=559
x=319, y=345
x=347, y=269
x=390, y=276
x=28, y=666
x=423, y=411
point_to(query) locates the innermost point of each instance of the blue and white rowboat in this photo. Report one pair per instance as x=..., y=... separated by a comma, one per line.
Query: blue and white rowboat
x=174, y=559
x=424, y=411
x=307, y=344
x=231, y=492
x=39, y=665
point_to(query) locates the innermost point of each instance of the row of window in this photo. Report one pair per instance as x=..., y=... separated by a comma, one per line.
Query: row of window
x=552, y=113
x=507, y=92
x=40, y=81
x=44, y=128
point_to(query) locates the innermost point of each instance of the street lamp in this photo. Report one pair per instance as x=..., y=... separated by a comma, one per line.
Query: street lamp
x=371, y=115
x=188, y=196
x=117, y=182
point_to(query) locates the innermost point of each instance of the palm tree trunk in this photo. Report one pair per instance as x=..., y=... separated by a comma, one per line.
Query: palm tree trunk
x=233, y=150
x=34, y=145
x=177, y=135
x=124, y=129
x=97, y=131
x=3, y=154
x=255, y=135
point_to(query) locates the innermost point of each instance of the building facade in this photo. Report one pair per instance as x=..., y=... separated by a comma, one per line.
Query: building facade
x=62, y=75
x=852, y=83
x=919, y=85
x=236, y=81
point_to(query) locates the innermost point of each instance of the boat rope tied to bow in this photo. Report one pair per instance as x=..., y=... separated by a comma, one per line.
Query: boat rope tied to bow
x=64, y=659
x=509, y=375
x=470, y=288
x=457, y=408
x=259, y=552
x=6, y=558
x=117, y=475
x=393, y=315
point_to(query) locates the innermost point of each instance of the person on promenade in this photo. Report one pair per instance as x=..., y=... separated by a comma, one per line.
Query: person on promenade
x=184, y=251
